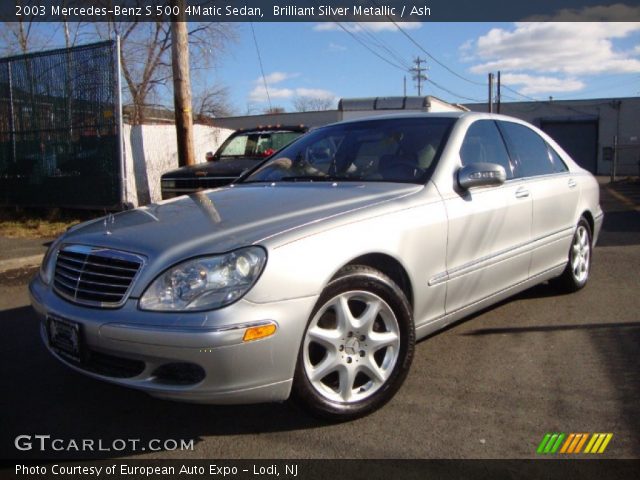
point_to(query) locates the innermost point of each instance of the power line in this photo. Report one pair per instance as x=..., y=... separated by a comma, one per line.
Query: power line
x=379, y=42
x=393, y=64
x=398, y=62
x=453, y=93
x=520, y=94
x=264, y=78
x=453, y=72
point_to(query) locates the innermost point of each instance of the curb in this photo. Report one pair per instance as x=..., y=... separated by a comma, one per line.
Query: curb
x=14, y=263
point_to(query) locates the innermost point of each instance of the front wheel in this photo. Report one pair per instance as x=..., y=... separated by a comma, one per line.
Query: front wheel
x=576, y=273
x=357, y=347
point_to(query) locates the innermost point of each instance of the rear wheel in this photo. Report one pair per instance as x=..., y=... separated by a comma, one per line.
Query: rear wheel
x=576, y=273
x=357, y=347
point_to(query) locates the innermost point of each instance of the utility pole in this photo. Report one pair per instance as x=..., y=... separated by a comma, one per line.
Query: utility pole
x=490, y=101
x=498, y=94
x=417, y=73
x=182, y=84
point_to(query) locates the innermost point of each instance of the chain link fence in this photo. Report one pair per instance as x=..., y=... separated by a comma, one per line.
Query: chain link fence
x=60, y=128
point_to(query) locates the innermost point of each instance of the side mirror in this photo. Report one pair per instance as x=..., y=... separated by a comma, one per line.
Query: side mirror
x=209, y=156
x=481, y=175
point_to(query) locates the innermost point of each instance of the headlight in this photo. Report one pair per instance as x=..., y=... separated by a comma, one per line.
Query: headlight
x=205, y=283
x=168, y=183
x=49, y=261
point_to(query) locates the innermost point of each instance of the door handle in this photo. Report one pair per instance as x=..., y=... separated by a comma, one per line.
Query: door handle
x=572, y=183
x=522, y=192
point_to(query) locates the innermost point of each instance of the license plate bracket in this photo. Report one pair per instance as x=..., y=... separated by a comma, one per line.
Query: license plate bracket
x=65, y=337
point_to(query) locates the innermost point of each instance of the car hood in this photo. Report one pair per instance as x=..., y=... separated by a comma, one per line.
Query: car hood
x=220, y=168
x=230, y=217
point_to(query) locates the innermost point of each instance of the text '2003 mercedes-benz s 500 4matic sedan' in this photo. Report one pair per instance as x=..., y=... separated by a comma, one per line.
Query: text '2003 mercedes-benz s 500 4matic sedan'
x=314, y=275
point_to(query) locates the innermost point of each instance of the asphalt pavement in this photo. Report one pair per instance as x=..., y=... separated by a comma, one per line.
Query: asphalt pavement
x=489, y=387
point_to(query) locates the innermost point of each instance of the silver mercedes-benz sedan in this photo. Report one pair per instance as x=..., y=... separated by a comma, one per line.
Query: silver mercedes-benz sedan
x=314, y=275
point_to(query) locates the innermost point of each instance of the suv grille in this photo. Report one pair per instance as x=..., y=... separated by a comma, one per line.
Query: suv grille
x=204, y=182
x=95, y=276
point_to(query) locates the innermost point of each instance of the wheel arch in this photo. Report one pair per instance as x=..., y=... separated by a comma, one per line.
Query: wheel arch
x=391, y=267
x=588, y=216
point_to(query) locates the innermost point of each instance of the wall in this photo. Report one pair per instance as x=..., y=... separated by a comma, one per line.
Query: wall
x=151, y=150
x=619, y=116
x=348, y=109
x=310, y=119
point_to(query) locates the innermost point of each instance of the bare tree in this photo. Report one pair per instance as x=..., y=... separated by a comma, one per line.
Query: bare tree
x=24, y=35
x=146, y=54
x=72, y=30
x=275, y=109
x=312, y=104
x=212, y=102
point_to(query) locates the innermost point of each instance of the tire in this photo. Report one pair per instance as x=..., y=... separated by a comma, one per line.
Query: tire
x=357, y=347
x=576, y=273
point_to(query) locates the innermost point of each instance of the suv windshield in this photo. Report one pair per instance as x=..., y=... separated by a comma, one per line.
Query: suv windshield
x=390, y=150
x=256, y=144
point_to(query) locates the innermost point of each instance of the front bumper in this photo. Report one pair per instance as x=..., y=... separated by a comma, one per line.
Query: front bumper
x=597, y=225
x=138, y=345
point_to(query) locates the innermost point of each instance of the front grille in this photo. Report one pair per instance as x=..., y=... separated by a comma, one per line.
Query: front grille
x=202, y=182
x=179, y=374
x=112, y=366
x=95, y=276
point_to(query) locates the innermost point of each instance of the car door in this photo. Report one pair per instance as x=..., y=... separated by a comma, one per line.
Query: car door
x=489, y=227
x=553, y=191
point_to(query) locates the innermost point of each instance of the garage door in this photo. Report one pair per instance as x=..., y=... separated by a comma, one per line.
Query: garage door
x=579, y=139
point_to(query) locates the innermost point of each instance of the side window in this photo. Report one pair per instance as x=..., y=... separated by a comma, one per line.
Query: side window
x=237, y=146
x=529, y=149
x=557, y=162
x=483, y=143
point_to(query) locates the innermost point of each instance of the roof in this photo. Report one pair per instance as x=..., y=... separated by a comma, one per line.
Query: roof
x=392, y=103
x=468, y=114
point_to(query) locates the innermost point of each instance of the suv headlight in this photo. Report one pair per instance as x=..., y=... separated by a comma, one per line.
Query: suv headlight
x=205, y=283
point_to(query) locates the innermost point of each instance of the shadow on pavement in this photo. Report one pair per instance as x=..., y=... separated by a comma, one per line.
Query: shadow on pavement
x=42, y=396
x=621, y=225
x=616, y=347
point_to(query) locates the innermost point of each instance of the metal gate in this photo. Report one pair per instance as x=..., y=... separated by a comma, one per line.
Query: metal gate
x=60, y=128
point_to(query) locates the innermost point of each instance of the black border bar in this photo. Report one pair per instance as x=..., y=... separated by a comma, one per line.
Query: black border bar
x=322, y=10
x=326, y=469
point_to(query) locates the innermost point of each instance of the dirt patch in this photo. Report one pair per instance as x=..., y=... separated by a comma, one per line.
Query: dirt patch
x=17, y=276
x=40, y=223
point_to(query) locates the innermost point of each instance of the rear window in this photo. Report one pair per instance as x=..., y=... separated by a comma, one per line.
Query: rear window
x=257, y=144
x=556, y=161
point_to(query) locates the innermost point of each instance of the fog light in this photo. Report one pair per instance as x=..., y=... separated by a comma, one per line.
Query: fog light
x=256, y=333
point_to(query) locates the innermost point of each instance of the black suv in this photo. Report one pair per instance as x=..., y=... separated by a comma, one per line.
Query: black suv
x=243, y=149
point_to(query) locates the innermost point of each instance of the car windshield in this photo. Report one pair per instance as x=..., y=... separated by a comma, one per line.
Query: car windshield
x=256, y=144
x=389, y=150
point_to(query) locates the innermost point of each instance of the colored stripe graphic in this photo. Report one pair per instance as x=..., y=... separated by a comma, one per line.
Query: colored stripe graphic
x=550, y=443
x=606, y=442
x=567, y=443
x=598, y=442
x=581, y=443
x=555, y=447
x=572, y=443
x=543, y=443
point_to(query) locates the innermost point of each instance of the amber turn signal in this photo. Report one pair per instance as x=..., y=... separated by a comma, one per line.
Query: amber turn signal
x=256, y=333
